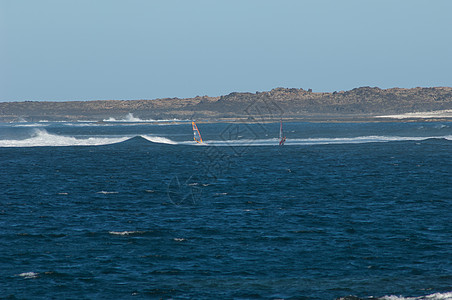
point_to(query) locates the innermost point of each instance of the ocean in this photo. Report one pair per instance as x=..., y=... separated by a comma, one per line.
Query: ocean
x=137, y=210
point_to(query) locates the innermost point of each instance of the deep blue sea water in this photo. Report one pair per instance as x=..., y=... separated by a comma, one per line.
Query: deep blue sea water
x=139, y=210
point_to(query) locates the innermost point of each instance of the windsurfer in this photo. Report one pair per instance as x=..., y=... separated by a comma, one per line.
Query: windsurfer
x=196, y=135
x=283, y=140
x=282, y=137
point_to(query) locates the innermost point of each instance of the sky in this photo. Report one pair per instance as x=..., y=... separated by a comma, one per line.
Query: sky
x=61, y=50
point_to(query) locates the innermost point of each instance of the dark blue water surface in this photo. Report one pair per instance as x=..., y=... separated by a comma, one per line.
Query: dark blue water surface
x=328, y=216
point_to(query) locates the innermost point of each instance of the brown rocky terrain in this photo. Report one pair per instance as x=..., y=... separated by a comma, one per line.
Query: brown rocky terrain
x=286, y=103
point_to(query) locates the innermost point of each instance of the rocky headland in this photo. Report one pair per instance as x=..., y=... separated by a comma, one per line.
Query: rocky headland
x=364, y=103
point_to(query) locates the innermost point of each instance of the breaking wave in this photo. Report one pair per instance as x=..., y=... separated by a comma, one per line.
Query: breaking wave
x=129, y=118
x=41, y=137
x=435, y=296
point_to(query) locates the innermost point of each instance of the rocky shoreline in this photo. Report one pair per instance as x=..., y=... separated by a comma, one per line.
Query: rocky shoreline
x=365, y=104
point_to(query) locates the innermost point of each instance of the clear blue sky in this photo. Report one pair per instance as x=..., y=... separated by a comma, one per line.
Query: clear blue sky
x=145, y=49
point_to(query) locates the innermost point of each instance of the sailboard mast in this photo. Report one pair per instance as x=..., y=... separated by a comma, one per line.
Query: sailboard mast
x=280, y=130
x=196, y=135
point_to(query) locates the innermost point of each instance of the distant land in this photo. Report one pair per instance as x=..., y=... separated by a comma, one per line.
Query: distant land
x=359, y=104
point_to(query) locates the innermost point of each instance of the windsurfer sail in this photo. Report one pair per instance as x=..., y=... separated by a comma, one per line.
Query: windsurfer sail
x=282, y=138
x=196, y=135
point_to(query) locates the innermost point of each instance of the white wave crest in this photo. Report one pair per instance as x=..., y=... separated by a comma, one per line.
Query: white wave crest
x=31, y=125
x=436, y=296
x=28, y=275
x=125, y=232
x=41, y=137
x=159, y=139
x=129, y=118
x=421, y=115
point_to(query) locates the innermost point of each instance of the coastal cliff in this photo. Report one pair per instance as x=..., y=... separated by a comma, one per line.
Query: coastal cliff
x=286, y=103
